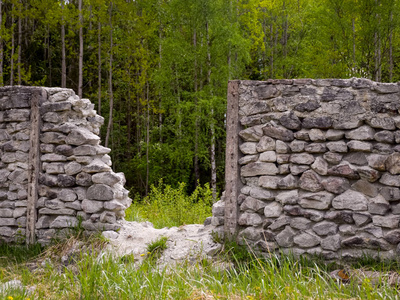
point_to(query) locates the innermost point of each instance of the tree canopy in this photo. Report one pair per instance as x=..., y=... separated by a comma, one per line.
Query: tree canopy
x=158, y=69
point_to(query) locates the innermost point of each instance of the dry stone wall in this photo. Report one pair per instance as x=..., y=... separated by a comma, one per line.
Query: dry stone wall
x=314, y=167
x=53, y=170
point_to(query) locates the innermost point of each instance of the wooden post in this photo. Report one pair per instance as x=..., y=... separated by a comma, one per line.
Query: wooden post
x=33, y=165
x=232, y=176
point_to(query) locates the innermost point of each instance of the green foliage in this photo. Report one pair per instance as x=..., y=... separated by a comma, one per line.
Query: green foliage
x=166, y=206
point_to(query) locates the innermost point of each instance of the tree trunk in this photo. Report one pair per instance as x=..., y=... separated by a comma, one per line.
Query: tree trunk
x=12, y=47
x=196, y=136
x=19, y=42
x=354, y=45
x=212, y=125
x=1, y=44
x=110, y=89
x=391, y=48
x=63, y=62
x=99, y=67
x=147, y=139
x=80, y=79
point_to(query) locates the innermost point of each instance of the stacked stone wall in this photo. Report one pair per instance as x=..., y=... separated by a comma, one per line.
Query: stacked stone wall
x=54, y=172
x=315, y=169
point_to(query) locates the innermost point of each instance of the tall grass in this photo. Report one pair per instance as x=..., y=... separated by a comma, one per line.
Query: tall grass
x=166, y=206
x=108, y=277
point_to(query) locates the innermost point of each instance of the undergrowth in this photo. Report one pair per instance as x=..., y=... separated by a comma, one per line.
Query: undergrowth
x=166, y=206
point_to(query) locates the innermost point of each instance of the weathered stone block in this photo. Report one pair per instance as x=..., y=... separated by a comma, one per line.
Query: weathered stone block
x=249, y=219
x=363, y=133
x=269, y=182
x=290, y=121
x=386, y=221
x=302, y=158
x=100, y=192
x=279, y=133
x=285, y=237
x=290, y=197
x=272, y=210
x=325, y=228
x=350, y=200
x=248, y=148
x=378, y=205
x=319, y=201
x=310, y=181
x=306, y=240
x=259, y=168
x=318, y=122
x=262, y=194
x=268, y=156
x=265, y=144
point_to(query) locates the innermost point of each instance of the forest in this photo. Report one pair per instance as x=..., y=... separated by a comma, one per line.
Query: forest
x=158, y=70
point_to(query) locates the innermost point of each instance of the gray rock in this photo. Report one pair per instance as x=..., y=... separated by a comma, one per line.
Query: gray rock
x=302, y=135
x=268, y=156
x=297, y=146
x=252, y=204
x=83, y=179
x=373, y=230
x=288, y=182
x=377, y=161
x=316, y=135
x=368, y=174
x=85, y=150
x=297, y=211
x=378, y=205
x=55, y=168
x=250, y=233
x=284, y=169
x=273, y=210
x=64, y=222
x=306, y=240
x=384, y=137
x=333, y=158
x=252, y=134
x=363, y=133
x=386, y=221
x=334, y=135
x=100, y=192
x=67, y=195
x=346, y=229
x=16, y=115
x=114, y=205
x=356, y=158
x=359, y=146
x=290, y=197
x=392, y=163
x=331, y=243
x=282, y=147
x=65, y=180
x=82, y=136
x=248, y=159
x=52, y=138
x=325, y=228
x=336, y=185
x=265, y=144
x=65, y=150
x=285, y=237
x=366, y=188
x=267, y=91
x=6, y=213
x=385, y=148
x=290, y=121
x=54, y=204
x=316, y=148
x=96, y=166
x=362, y=219
x=307, y=106
x=391, y=180
x=350, y=200
x=310, y=181
x=90, y=206
x=44, y=222
x=254, y=107
x=61, y=211
x=318, y=122
x=340, y=146
x=302, y=158
x=320, y=166
x=393, y=237
x=259, y=168
x=249, y=219
x=51, y=157
x=262, y=194
x=319, y=201
x=248, y=148
x=390, y=194
x=343, y=170
x=108, y=178
x=277, y=224
x=300, y=223
x=298, y=169
x=382, y=123
x=74, y=205
x=108, y=217
x=279, y=133
x=396, y=209
x=269, y=182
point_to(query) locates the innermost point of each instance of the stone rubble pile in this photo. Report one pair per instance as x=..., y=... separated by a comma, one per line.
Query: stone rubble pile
x=76, y=180
x=320, y=167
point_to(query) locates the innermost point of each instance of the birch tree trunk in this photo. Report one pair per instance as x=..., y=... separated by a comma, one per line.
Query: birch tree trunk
x=63, y=62
x=110, y=89
x=1, y=44
x=99, y=67
x=12, y=47
x=19, y=42
x=80, y=79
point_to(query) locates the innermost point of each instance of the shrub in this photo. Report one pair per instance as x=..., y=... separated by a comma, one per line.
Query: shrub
x=166, y=206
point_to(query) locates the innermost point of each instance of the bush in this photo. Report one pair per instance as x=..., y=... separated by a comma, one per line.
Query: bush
x=166, y=206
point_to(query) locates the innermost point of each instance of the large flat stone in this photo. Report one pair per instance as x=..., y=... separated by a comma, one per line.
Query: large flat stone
x=259, y=168
x=350, y=200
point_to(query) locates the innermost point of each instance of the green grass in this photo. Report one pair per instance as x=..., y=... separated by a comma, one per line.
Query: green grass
x=106, y=277
x=166, y=206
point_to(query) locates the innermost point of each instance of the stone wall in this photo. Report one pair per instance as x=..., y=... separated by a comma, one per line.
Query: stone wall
x=313, y=167
x=53, y=170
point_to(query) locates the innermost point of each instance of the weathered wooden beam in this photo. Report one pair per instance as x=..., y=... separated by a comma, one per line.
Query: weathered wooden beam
x=33, y=164
x=232, y=176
